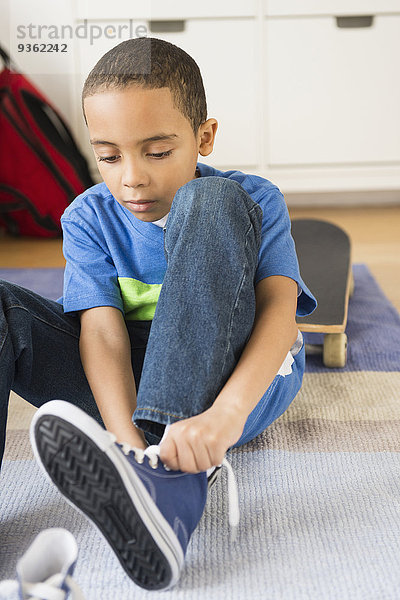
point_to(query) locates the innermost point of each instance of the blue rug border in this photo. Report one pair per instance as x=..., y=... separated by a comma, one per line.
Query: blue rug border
x=373, y=329
x=45, y=281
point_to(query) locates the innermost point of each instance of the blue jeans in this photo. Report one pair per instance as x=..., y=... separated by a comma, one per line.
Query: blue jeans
x=182, y=359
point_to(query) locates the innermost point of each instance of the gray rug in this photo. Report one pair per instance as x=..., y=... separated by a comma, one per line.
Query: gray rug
x=319, y=497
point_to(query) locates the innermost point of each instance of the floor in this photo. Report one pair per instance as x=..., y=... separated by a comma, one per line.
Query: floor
x=375, y=234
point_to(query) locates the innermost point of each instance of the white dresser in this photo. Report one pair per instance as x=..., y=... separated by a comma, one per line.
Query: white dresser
x=306, y=92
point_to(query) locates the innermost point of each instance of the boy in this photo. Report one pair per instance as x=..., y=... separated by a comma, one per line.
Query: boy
x=186, y=280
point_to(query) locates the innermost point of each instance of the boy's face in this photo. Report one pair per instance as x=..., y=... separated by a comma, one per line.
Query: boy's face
x=143, y=174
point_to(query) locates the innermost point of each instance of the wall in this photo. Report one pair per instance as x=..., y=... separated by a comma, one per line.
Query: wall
x=302, y=94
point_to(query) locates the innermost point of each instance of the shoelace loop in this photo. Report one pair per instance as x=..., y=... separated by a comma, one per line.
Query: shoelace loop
x=233, y=499
x=152, y=453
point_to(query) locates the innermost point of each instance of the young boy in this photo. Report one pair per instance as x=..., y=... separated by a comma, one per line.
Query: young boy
x=178, y=276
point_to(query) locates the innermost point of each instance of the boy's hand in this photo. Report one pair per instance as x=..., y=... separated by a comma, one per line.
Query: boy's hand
x=200, y=442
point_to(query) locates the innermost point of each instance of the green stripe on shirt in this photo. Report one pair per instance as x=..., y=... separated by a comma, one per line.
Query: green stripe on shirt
x=140, y=299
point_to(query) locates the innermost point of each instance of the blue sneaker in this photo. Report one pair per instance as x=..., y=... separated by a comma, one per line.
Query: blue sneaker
x=146, y=512
x=45, y=570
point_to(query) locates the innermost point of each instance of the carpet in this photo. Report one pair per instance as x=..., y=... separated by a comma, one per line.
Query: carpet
x=319, y=490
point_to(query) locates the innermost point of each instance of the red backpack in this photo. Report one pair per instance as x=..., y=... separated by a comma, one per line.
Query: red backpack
x=41, y=167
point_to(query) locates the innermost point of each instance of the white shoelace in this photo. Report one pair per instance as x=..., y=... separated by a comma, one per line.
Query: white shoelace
x=46, y=590
x=153, y=453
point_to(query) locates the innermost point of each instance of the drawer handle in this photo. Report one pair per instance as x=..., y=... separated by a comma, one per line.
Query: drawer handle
x=355, y=22
x=167, y=26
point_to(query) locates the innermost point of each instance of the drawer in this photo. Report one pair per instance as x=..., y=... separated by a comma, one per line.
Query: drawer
x=281, y=8
x=333, y=94
x=164, y=9
x=229, y=70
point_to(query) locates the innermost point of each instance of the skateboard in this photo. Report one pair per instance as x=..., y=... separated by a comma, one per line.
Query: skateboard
x=324, y=253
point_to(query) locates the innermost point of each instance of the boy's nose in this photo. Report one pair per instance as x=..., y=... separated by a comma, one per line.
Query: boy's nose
x=134, y=175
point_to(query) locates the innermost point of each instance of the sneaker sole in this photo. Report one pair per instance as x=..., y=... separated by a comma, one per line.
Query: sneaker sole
x=213, y=477
x=94, y=476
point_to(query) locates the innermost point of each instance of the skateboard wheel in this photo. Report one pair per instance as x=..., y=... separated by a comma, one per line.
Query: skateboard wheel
x=351, y=289
x=335, y=350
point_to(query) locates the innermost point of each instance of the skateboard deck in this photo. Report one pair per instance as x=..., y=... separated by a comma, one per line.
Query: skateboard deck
x=324, y=253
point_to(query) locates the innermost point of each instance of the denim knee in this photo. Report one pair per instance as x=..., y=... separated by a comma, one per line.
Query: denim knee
x=214, y=203
x=213, y=192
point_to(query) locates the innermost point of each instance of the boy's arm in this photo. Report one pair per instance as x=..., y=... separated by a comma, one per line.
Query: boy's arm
x=106, y=358
x=200, y=442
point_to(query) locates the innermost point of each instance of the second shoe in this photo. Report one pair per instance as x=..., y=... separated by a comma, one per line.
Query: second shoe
x=45, y=570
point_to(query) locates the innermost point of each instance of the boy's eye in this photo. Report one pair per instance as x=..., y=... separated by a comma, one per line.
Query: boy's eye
x=113, y=159
x=161, y=154
x=109, y=159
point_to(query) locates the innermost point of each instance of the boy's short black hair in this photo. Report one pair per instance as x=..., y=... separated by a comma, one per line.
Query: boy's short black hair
x=152, y=63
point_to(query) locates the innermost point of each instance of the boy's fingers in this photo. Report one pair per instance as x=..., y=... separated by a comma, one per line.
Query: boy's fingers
x=179, y=456
x=202, y=458
x=169, y=453
x=190, y=449
x=186, y=457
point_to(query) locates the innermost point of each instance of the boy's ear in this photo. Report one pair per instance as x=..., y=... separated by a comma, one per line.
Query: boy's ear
x=206, y=136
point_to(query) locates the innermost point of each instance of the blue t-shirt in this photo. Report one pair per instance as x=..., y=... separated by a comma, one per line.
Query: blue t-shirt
x=115, y=259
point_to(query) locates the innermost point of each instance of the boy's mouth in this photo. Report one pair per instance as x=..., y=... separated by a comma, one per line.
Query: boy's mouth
x=139, y=205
